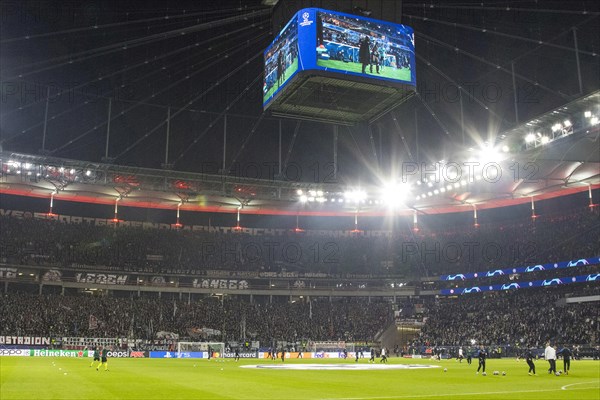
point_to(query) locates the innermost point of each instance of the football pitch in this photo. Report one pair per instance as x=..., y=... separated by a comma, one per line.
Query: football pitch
x=129, y=378
x=293, y=67
x=387, y=72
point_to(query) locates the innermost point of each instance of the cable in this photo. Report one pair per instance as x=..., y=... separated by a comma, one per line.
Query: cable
x=460, y=88
x=114, y=24
x=399, y=130
x=92, y=53
x=492, y=32
x=498, y=67
x=165, y=55
x=291, y=146
x=507, y=8
x=101, y=97
x=217, y=83
x=168, y=87
x=205, y=131
x=260, y=118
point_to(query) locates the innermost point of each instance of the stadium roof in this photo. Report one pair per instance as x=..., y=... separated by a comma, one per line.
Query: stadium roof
x=568, y=164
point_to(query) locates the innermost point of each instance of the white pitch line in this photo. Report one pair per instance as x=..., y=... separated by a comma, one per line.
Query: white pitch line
x=453, y=394
x=580, y=383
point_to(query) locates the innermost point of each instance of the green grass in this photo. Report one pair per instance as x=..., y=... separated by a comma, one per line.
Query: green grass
x=44, y=378
x=388, y=72
x=288, y=73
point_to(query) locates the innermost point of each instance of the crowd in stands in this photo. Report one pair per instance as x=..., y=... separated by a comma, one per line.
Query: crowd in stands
x=523, y=318
x=69, y=316
x=427, y=252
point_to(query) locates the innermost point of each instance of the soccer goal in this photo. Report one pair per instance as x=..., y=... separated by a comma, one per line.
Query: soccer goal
x=217, y=348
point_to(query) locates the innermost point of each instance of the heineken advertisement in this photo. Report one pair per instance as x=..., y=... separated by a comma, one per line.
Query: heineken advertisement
x=60, y=353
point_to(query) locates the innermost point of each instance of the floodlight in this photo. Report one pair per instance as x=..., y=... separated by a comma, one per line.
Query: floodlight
x=393, y=193
x=355, y=195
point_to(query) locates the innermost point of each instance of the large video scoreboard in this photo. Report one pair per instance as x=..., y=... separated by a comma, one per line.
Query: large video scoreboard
x=319, y=42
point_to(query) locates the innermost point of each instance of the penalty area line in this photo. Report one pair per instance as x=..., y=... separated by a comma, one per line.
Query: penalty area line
x=454, y=394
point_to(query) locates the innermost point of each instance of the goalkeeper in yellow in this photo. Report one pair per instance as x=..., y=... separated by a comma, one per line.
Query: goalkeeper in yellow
x=104, y=355
x=96, y=356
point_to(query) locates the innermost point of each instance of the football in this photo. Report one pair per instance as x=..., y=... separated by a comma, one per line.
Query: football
x=503, y=373
x=445, y=369
x=496, y=373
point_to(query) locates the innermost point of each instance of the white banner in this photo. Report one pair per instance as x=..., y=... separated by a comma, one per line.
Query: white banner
x=14, y=353
x=27, y=340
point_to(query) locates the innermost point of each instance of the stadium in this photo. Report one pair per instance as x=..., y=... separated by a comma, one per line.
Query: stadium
x=300, y=199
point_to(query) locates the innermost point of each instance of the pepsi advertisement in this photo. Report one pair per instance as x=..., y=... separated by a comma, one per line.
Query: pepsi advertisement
x=346, y=46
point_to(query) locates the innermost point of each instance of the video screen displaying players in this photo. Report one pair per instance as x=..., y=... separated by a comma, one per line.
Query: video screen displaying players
x=372, y=48
x=281, y=60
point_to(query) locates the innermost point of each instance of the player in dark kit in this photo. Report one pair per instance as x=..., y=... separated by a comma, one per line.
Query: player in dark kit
x=529, y=358
x=237, y=354
x=282, y=355
x=482, y=356
x=469, y=356
x=372, y=356
x=566, y=354
x=96, y=357
x=104, y=355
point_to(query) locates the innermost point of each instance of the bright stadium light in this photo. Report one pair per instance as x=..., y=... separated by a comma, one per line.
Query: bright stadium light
x=394, y=193
x=556, y=127
x=505, y=149
x=545, y=139
x=303, y=198
x=594, y=121
x=587, y=114
x=567, y=123
x=530, y=138
x=355, y=195
x=490, y=153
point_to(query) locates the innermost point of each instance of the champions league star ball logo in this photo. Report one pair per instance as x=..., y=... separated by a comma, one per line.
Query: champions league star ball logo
x=305, y=20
